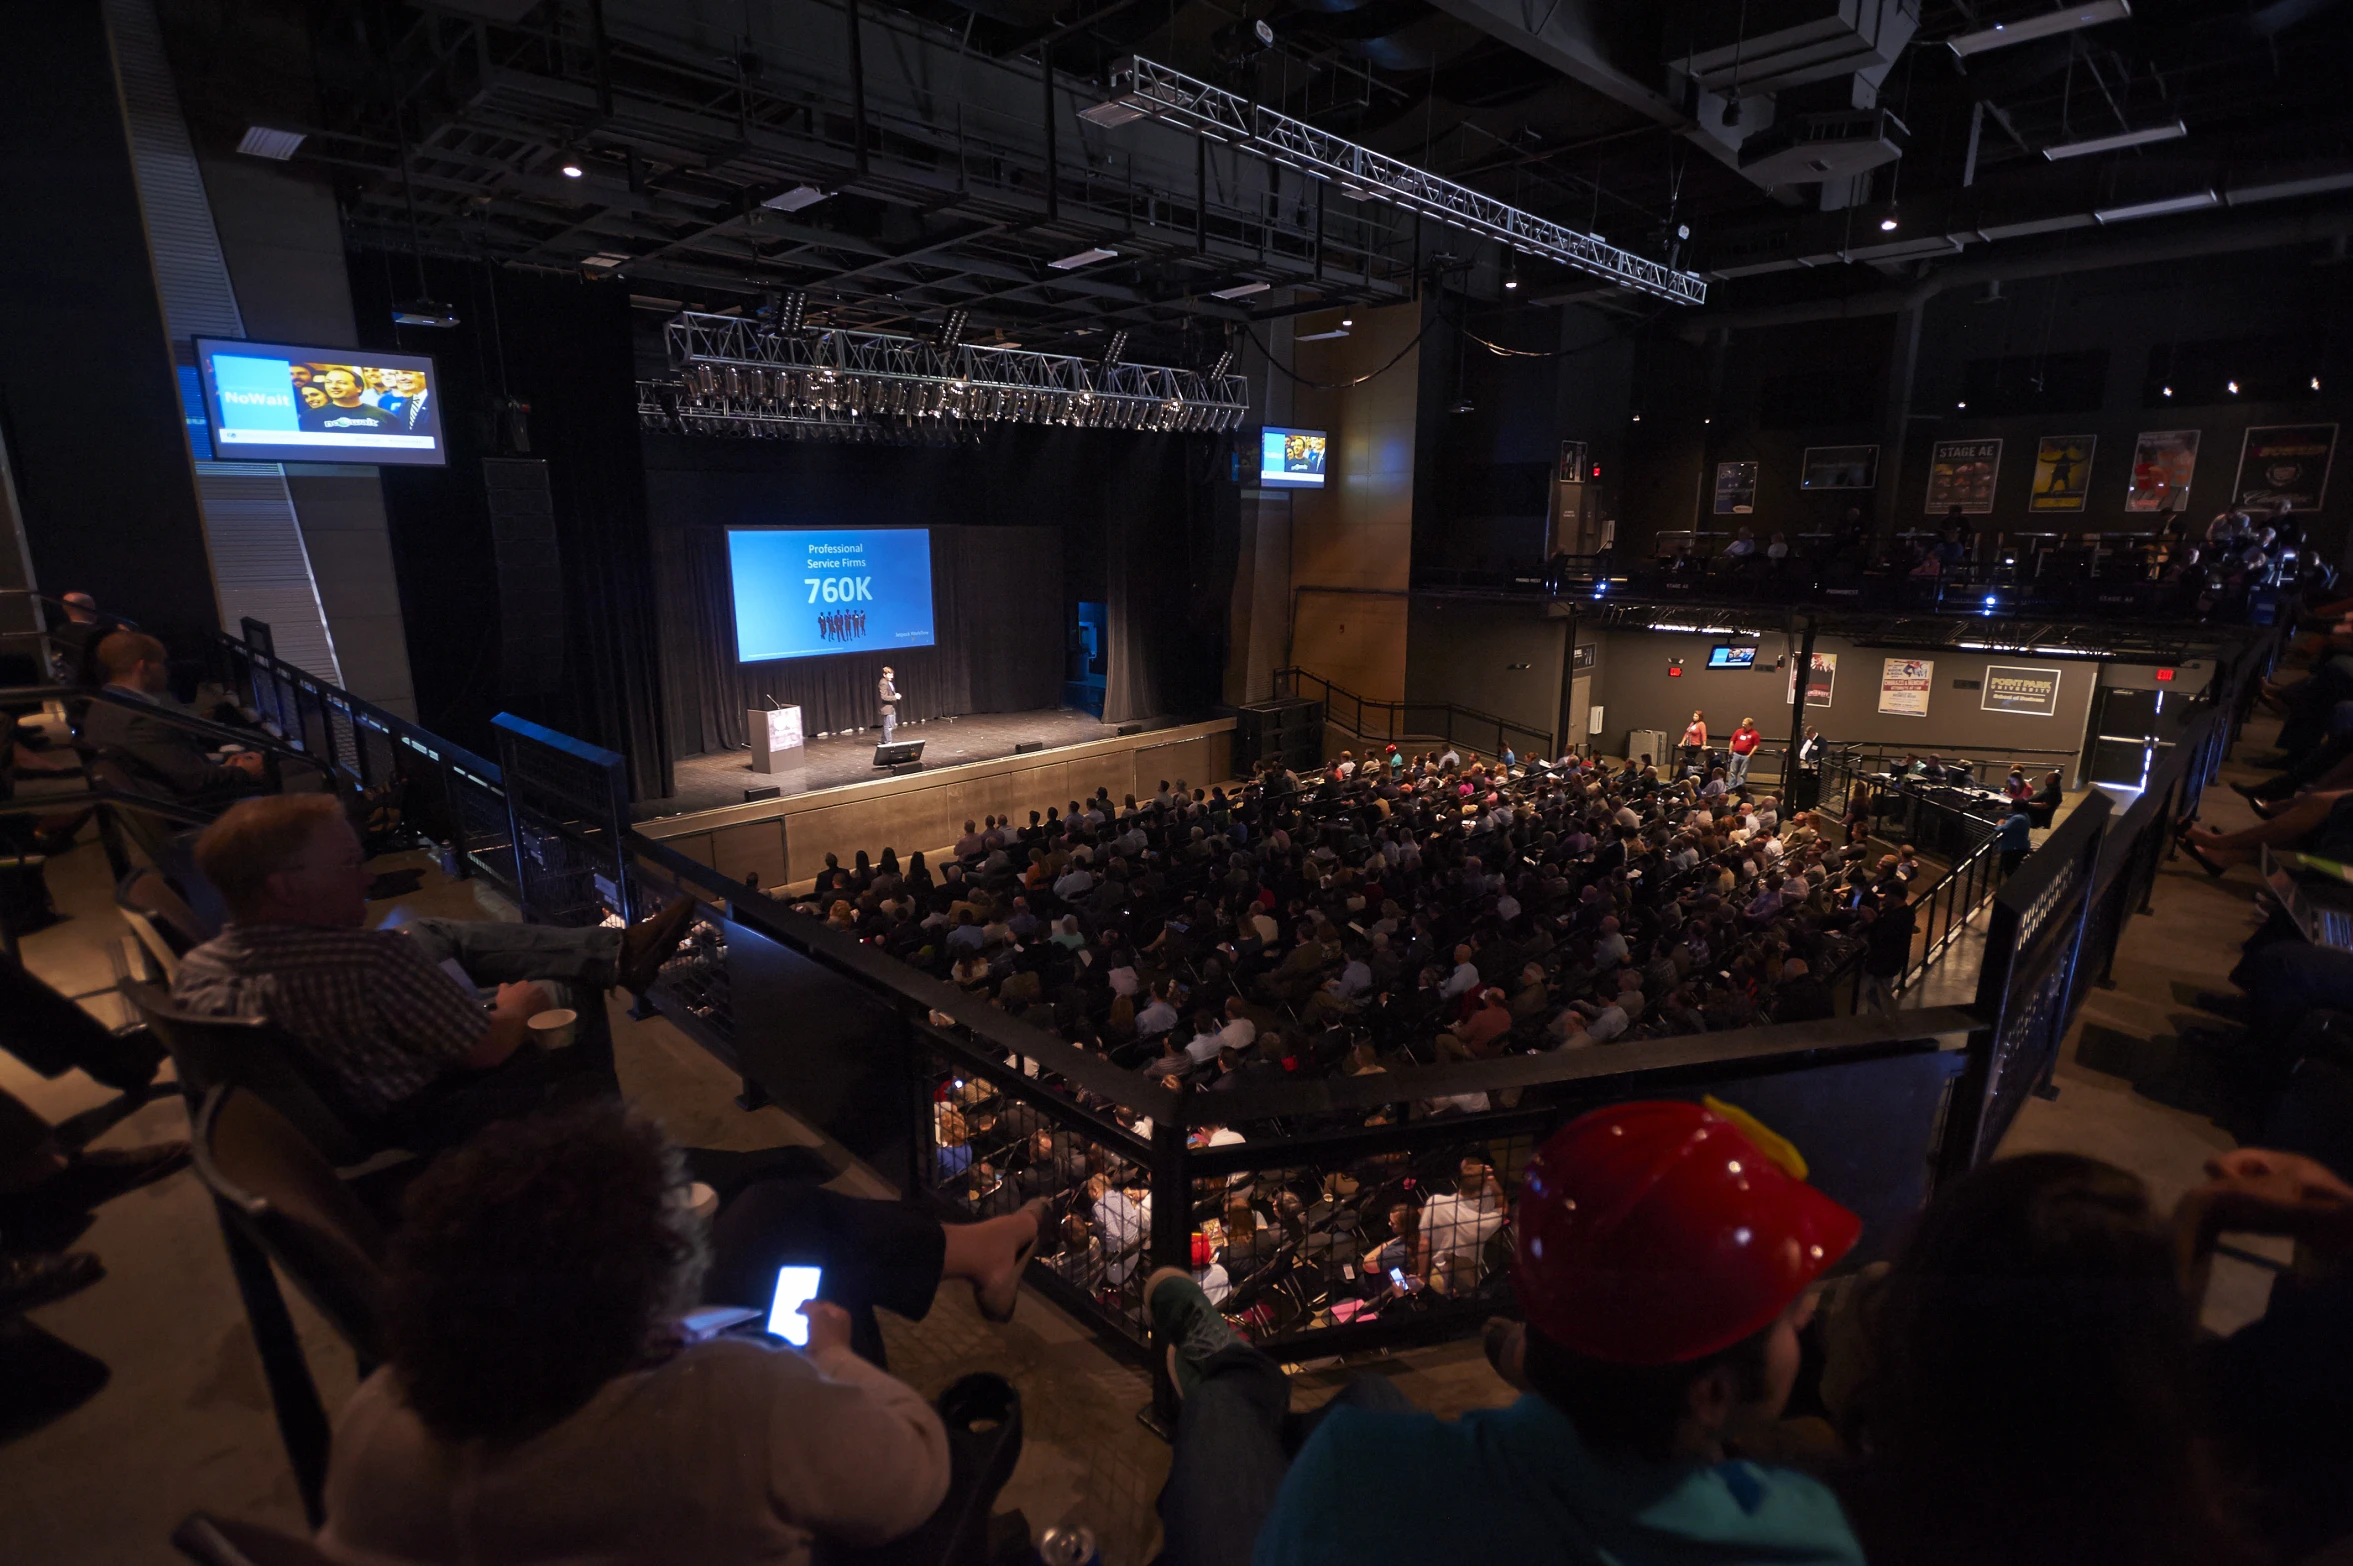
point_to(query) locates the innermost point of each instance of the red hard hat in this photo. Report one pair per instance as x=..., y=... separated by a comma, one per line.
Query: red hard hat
x=1654, y=1233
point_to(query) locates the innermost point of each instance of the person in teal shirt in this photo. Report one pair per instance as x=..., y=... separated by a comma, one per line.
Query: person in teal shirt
x=1666, y=1254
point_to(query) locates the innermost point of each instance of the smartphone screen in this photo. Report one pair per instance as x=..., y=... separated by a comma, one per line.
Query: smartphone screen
x=1397, y=1276
x=795, y=1287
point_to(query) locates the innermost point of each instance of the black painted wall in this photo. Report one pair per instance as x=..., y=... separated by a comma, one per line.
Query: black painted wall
x=89, y=400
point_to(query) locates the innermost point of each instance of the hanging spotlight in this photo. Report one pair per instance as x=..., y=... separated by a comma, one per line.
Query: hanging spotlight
x=2168, y=391
x=1511, y=272
x=2234, y=388
x=570, y=165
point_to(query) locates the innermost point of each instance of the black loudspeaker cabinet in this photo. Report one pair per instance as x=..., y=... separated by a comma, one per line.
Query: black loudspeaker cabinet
x=530, y=577
x=1291, y=732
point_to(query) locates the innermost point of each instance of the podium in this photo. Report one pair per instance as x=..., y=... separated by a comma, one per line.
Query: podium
x=775, y=731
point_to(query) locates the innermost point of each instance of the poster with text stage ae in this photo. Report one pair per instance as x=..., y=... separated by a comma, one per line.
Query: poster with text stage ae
x=810, y=594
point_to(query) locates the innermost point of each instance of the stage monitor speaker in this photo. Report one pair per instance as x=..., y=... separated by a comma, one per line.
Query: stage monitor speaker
x=893, y=754
x=900, y=769
x=753, y=795
x=1025, y=747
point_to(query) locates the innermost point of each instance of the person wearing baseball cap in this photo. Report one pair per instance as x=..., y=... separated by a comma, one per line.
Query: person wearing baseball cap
x=1665, y=1258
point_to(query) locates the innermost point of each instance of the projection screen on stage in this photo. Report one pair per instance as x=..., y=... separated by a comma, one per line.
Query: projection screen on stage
x=808, y=594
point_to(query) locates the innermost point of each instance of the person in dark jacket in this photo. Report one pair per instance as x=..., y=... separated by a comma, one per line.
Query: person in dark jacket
x=1887, y=949
x=160, y=759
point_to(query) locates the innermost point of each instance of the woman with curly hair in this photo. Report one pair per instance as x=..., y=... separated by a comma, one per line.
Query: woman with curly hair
x=540, y=1403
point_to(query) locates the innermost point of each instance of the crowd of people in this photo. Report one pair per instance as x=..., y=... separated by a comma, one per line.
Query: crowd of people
x=1371, y=916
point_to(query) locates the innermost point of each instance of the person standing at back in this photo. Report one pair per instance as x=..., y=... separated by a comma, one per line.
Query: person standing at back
x=1745, y=741
x=1695, y=741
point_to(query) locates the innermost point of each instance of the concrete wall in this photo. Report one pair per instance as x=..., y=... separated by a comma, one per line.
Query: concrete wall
x=1640, y=694
x=786, y=840
x=1504, y=659
x=284, y=246
x=1355, y=535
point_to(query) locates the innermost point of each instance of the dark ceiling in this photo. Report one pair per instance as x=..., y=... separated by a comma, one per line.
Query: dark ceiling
x=445, y=128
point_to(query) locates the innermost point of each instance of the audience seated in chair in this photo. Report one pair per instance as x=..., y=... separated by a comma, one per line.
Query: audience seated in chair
x=409, y=1046
x=543, y=1400
x=156, y=757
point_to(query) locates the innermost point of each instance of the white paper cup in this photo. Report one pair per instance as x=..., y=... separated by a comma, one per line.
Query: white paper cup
x=556, y=1029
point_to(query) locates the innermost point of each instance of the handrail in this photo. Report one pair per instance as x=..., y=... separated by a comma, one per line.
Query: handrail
x=1285, y=679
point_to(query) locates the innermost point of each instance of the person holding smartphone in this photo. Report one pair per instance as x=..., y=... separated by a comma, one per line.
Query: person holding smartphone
x=540, y=1400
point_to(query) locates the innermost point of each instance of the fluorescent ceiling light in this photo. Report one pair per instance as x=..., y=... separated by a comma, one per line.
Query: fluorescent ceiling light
x=259, y=141
x=2064, y=20
x=2142, y=209
x=796, y=198
x=1112, y=114
x=1082, y=258
x=1318, y=337
x=2136, y=138
x=1240, y=291
x=605, y=258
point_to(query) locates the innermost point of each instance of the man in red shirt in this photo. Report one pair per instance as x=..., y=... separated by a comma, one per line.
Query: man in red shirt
x=1745, y=741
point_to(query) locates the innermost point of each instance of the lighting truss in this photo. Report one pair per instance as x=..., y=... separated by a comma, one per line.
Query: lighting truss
x=735, y=372
x=1176, y=99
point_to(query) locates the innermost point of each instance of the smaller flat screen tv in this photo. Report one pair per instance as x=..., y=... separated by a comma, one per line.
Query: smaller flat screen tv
x=282, y=402
x=1291, y=459
x=1732, y=657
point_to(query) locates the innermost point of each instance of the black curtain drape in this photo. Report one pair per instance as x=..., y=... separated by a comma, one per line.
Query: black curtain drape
x=996, y=625
x=1171, y=543
x=541, y=366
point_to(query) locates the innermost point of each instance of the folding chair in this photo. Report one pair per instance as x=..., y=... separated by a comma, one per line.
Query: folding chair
x=208, y=1052
x=280, y=1202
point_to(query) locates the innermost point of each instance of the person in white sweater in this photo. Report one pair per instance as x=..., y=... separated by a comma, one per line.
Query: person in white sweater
x=540, y=1403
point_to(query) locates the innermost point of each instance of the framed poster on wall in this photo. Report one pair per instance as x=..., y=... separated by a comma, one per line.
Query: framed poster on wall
x=2062, y=472
x=2162, y=463
x=1736, y=489
x=2029, y=692
x=1820, y=684
x=2287, y=462
x=1903, y=686
x=1961, y=475
x=1841, y=467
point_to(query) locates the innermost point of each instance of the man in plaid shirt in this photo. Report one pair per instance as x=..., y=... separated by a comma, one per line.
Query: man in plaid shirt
x=405, y=1045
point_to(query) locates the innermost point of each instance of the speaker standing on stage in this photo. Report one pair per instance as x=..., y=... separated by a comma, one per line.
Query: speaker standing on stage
x=888, y=694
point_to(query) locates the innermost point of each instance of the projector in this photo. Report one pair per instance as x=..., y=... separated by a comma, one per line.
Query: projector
x=424, y=312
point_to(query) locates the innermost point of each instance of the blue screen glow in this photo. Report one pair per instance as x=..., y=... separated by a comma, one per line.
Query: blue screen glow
x=810, y=594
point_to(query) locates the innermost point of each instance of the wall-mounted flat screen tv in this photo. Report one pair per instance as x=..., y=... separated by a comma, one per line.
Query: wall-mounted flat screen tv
x=1732, y=657
x=282, y=402
x=1291, y=459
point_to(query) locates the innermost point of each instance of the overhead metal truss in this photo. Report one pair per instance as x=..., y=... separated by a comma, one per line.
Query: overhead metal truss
x=740, y=376
x=1173, y=98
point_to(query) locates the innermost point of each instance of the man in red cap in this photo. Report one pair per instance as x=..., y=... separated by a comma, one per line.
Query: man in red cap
x=1666, y=1257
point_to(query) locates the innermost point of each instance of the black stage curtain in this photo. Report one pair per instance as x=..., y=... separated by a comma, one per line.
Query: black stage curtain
x=996, y=621
x=557, y=354
x=1171, y=540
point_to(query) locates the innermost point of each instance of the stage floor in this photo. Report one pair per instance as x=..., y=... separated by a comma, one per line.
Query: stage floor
x=719, y=778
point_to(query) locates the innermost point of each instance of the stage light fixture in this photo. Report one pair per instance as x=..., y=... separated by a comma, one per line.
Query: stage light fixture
x=1961, y=405
x=1887, y=224
x=259, y=141
x=2234, y=388
x=2131, y=138
x=1347, y=320
x=1240, y=291
x=952, y=333
x=2066, y=19
x=2168, y=391
x=1225, y=362
x=2316, y=383
x=1117, y=349
x=1511, y=272
x=570, y=165
x=1079, y=258
x=796, y=199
